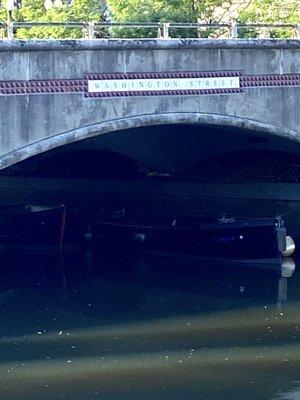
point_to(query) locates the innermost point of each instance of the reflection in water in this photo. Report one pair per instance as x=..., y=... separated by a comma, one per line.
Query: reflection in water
x=287, y=270
x=101, y=327
x=198, y=371
x=291, y=394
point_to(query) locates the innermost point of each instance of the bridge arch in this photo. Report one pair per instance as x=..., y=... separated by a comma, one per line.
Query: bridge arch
x=117, y=125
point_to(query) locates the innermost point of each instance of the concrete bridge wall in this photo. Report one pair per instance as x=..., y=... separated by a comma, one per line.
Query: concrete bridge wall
x=44, y=101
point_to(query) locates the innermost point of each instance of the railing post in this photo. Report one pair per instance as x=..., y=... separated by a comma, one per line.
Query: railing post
x=90, y=30
x=159, y=29
x=298, y=31
x=234, y=30
x=10, y=30
x=166, y=30
x=264, y=33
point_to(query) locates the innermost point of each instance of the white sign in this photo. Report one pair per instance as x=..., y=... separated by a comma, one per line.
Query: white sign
x=164, y=84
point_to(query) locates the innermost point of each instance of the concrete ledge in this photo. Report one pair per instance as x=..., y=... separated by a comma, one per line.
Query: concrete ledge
x=259, y=191
x=146, y=44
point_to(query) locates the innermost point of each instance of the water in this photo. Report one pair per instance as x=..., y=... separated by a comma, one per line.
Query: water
x=114, y=326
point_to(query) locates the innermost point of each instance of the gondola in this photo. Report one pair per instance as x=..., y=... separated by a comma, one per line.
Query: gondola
x=37, y=228
x=216, y=239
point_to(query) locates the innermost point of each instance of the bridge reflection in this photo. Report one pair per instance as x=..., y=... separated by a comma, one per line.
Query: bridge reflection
x=174, y=332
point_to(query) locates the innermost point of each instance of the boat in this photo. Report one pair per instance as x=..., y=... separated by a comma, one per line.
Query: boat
x=222, y=239
x=37, y=227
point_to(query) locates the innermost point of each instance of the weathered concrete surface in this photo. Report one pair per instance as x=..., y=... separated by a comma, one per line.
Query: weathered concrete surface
x=30, y=124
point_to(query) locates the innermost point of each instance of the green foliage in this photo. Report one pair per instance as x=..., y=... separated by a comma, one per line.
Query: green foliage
x=34, y=11
x=85, y=10
x=150, y=11
x=189, y=11
x=271, y=12
x=204, y=11
x=3, y=14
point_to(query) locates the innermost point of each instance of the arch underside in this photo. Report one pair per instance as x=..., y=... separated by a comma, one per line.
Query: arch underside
x=118, y=125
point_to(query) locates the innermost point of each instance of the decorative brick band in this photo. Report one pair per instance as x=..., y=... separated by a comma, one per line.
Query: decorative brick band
x=164, y=75
x=270, y=80
x=41, y=86
x=164, y=93
x=81, y=85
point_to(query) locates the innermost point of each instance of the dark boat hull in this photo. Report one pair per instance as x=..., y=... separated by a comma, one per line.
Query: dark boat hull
x=236, y=240
x=37, y=228
x=167, y=258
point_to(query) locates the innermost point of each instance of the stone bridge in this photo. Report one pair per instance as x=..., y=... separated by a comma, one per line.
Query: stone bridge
x=54, y=93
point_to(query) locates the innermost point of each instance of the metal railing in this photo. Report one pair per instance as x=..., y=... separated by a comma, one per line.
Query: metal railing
x=164, y=30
